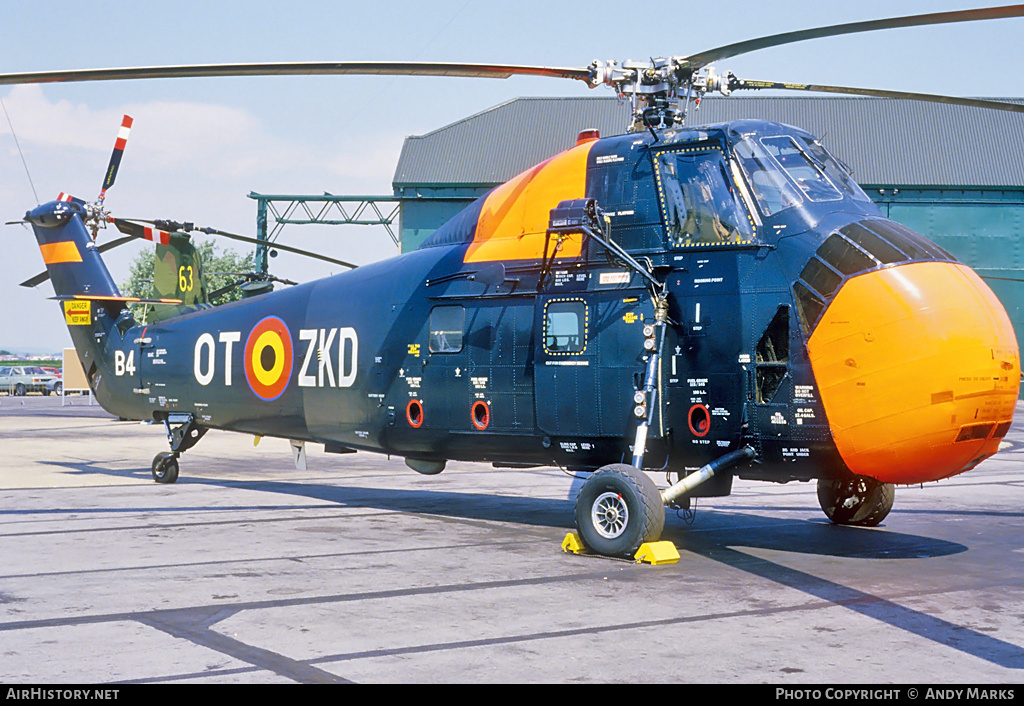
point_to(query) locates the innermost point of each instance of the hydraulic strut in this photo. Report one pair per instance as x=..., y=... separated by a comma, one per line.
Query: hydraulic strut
x=185, y=435
x=646, y=398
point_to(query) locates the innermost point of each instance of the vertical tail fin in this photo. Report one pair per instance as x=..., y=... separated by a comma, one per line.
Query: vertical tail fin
x=69, y=251
x=76, y=268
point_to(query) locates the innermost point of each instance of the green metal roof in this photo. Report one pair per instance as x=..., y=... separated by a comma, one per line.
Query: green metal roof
x=886, y=141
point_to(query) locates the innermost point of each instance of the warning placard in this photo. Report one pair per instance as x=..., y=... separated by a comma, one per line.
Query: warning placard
x=78, y=313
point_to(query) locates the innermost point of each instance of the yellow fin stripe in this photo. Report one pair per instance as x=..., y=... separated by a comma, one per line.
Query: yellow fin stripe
x=64, y=251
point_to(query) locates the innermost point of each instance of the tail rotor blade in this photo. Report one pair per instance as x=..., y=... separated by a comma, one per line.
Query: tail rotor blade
x=115, y=157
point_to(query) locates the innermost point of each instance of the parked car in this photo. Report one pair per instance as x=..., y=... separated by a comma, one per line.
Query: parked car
x=53, y=371
x=56, y=386
x=19, y=380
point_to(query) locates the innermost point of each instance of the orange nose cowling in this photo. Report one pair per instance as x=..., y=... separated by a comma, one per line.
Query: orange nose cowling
x=918, y=370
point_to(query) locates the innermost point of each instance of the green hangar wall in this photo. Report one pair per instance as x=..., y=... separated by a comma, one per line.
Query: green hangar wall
x=952, y=173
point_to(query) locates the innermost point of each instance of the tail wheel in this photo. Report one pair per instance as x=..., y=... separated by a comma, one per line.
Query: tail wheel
x=618, y=509
x=863, y=502
x=165, y=467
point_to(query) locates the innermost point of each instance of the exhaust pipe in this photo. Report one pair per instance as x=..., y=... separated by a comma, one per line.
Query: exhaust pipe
x=685, y=485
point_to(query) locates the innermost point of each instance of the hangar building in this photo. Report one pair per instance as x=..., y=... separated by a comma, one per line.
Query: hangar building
x=952, y=173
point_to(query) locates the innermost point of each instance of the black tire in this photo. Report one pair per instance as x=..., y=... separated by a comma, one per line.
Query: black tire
x=618, y=509
x=860, y=502
x=58, y=388
x=165, y=467
x=19, y=390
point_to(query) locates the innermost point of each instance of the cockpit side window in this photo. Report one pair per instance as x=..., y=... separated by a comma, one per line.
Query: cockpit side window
x=700, y=204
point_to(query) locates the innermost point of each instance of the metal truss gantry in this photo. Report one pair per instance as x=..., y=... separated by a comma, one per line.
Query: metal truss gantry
x=328, y=209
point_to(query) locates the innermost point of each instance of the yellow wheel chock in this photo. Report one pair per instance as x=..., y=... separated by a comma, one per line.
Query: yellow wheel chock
x=572, y=543
x=657, y=553
x=650, y=552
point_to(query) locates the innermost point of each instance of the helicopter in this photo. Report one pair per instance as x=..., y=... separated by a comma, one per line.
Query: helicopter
x=708, y=301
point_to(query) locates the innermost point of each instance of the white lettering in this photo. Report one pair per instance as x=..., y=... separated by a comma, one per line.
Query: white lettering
x=305, y=379
x=320, y=342
x=229, y=338
x=204, y=341
x=347, y=373
x=325, y=357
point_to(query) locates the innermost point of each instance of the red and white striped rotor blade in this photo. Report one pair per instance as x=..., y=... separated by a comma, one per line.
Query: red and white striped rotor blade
x=115, y=157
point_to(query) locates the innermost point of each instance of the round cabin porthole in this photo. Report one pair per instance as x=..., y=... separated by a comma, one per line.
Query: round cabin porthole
x=414, y=413
x=481, y=415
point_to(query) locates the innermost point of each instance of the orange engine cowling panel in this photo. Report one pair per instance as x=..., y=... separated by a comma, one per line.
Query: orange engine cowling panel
x=514, y=219
x=918, y=370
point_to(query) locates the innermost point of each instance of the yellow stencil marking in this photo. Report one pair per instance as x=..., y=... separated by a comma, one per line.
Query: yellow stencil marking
x=78, y=313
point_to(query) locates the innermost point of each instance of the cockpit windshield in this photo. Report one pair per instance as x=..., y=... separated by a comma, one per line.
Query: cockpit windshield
x=700, y=205
x=839, y=175
x=785, y=171
x=773, y=190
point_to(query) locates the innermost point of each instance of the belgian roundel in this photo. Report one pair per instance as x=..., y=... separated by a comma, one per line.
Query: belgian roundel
x=268, y=358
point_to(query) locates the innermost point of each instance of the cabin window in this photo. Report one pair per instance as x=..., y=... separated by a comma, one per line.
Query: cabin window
x=700, y=205
x=447, y=324
x=872, y=244
x=565, y=326
x=916, y=246
x=821, y=277
x=844, y=256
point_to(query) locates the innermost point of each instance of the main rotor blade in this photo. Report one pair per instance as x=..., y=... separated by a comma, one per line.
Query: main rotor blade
x=741, y=84
x=729, y=50
x=43, y=276
x=277, y=246
x=385, y=68
x=234, y=236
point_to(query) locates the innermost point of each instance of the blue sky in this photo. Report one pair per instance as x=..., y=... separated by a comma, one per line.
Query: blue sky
x=199, y=147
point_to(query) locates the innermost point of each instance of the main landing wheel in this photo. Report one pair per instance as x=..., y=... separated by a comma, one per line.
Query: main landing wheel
x=860, y=501
x=618, y=509
x=165, y=467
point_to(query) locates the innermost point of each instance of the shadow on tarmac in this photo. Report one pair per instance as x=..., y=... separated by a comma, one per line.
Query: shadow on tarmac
x=721, y=535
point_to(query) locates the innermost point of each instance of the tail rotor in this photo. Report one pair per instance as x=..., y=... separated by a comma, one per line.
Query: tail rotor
x=96, y=217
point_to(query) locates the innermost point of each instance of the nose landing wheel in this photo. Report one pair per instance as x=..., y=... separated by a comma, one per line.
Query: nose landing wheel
x=860, y=501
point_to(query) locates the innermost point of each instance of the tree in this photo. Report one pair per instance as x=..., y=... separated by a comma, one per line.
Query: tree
x=220, y=268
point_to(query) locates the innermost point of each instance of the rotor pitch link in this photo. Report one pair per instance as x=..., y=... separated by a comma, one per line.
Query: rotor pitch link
x=729, y=460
